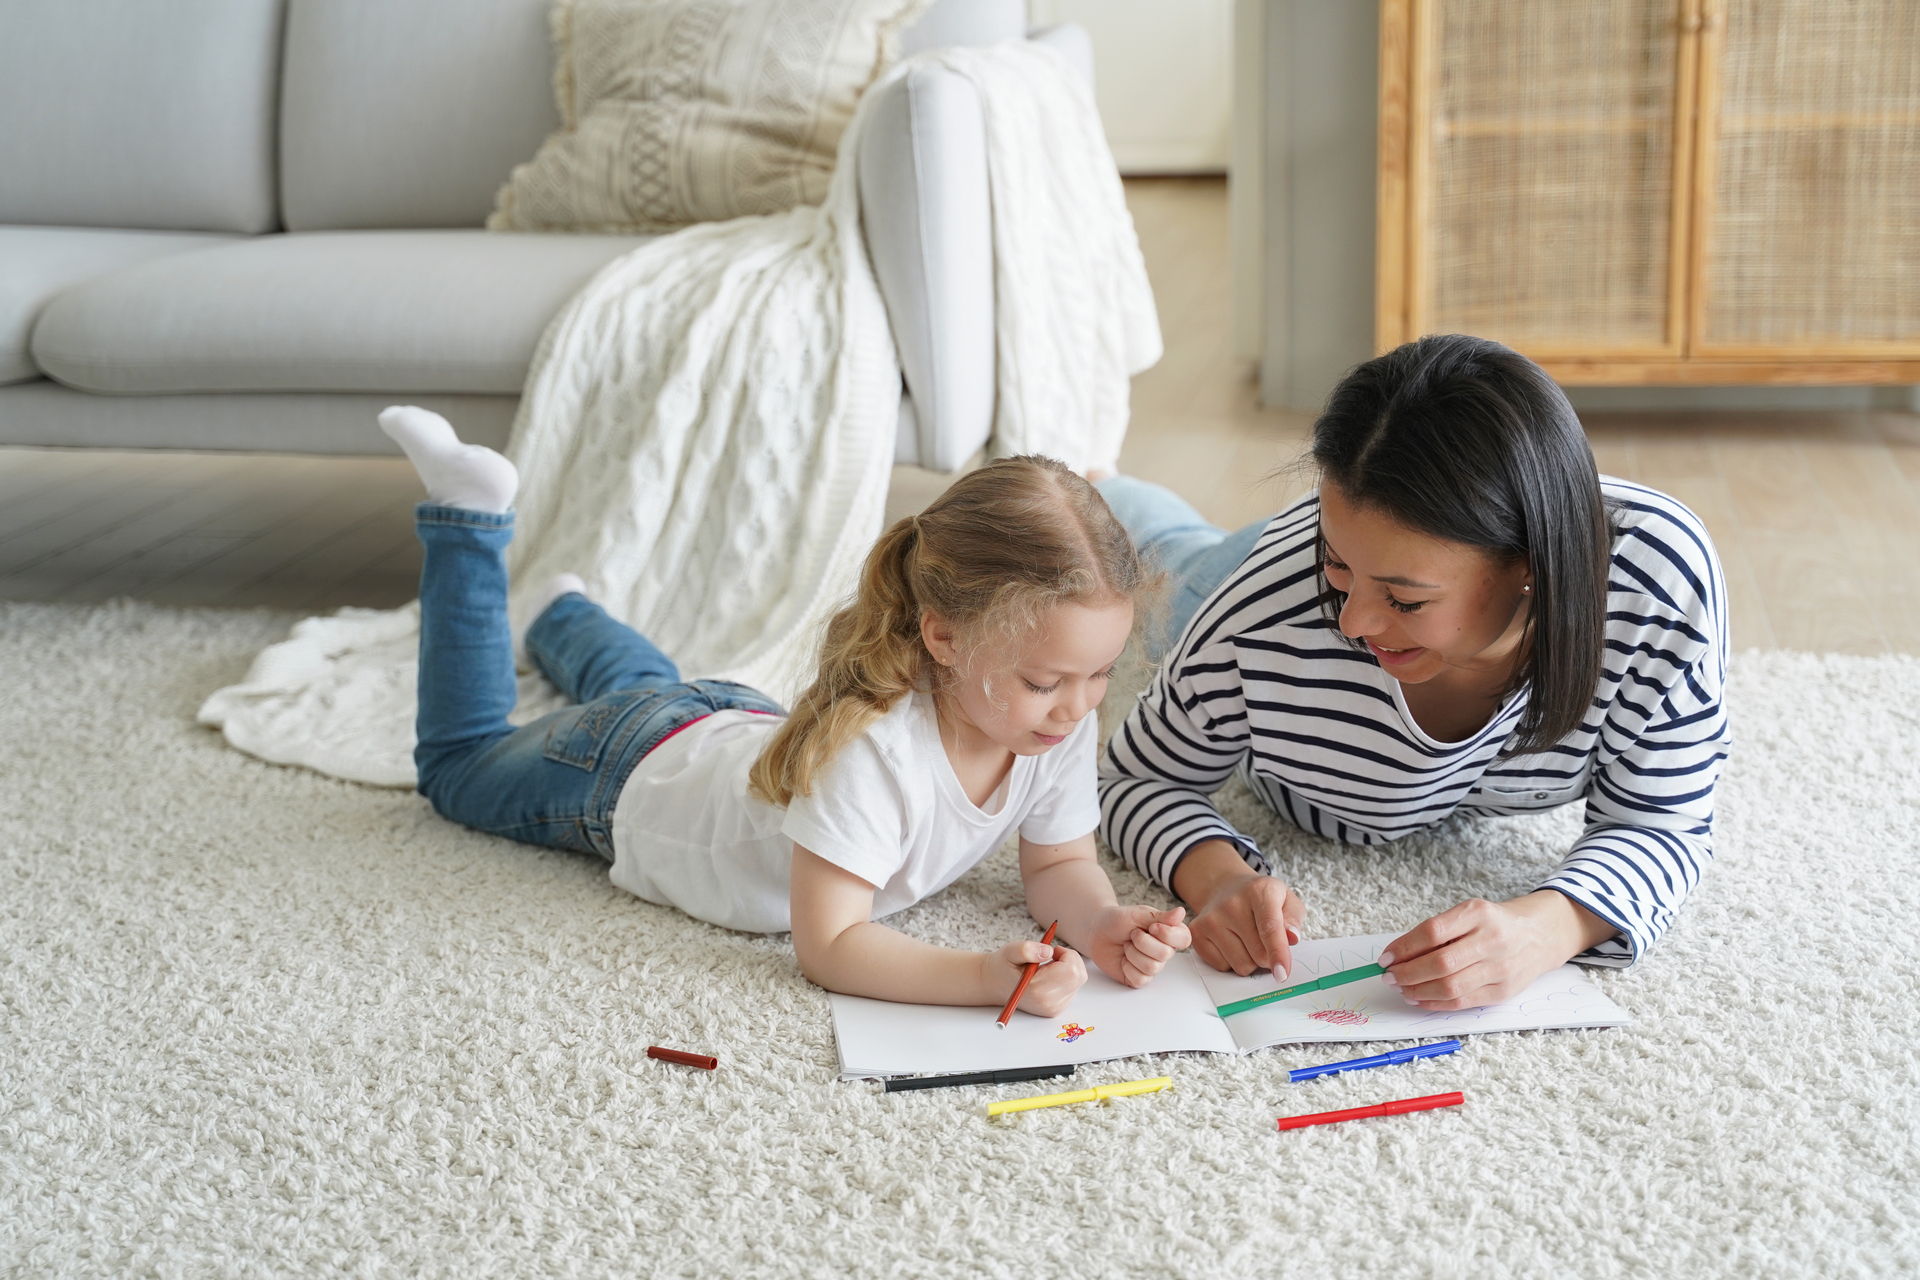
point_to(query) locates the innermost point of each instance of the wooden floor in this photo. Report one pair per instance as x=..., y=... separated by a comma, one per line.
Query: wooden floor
x=1817, y=515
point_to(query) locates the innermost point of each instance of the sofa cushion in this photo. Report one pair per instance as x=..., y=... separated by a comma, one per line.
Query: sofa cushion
x=38, y=262
x=391, y=311
x=409, y=113
x=683, y=111
x=43, y=413
x=151, y=115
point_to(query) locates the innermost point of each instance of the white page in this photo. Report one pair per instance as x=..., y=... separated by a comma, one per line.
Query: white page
x=1170, y=1014
x=1371, y=1010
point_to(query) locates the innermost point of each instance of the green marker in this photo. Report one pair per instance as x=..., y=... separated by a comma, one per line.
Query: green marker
x=1340, y=979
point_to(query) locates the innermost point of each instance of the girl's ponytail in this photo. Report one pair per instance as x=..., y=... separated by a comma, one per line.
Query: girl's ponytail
x=989, y=556
x=872, y=654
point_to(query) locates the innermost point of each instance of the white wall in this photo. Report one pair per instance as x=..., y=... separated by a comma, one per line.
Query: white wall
x=1163, y=74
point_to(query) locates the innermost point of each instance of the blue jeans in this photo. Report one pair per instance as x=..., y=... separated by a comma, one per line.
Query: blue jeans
x=554, y=782
x=1198, y=556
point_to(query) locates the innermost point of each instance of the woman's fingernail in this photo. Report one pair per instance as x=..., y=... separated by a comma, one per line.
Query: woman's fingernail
x=1389, y=979
x=1386, y=960
x=1411, y=1001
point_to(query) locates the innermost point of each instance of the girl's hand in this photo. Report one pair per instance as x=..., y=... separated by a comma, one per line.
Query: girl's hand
x=1061, y=973
x=1131, y=944
x=1481, y=953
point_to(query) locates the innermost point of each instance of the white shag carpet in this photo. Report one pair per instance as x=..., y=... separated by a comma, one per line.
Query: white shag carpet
x=254, y=1021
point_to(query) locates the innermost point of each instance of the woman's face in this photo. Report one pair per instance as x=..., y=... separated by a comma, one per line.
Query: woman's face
x=1422, y=605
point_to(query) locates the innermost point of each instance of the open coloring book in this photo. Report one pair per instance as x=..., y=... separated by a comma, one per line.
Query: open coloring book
x=1175, y=1013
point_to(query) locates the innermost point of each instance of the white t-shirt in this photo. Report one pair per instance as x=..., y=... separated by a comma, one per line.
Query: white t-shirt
x=889, y=809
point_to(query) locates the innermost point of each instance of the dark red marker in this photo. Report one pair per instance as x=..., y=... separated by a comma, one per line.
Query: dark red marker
x=699, y=1060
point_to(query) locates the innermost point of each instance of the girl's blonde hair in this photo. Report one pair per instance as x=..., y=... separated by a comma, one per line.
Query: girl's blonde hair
x=992, y=554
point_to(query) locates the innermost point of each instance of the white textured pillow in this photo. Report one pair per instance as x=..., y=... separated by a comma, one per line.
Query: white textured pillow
x=681, y=111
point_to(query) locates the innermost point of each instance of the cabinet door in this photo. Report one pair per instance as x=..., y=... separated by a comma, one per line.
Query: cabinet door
x=1545, y=203
x=1809, y=193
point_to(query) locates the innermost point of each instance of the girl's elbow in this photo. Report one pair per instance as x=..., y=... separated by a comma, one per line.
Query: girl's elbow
x=816, y=960
x=810, y=968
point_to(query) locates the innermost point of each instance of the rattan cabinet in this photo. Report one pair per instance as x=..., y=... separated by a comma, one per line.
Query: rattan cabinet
x=1655, y=191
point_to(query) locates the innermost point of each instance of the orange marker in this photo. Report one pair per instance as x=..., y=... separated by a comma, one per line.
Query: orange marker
x=1006, y=1014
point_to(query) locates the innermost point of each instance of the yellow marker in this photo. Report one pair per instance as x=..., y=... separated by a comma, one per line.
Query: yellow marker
x=1124, y=1090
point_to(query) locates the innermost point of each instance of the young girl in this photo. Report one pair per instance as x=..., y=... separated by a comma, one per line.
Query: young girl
x=952, y=708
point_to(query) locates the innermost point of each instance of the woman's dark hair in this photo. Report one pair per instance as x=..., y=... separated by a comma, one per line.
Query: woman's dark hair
x=1468, y=441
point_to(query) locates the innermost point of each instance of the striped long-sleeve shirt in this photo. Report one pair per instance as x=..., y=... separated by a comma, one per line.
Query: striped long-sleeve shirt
x=1261, y=682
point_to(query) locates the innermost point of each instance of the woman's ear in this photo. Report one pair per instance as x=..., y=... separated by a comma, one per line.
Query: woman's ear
x=937, y=634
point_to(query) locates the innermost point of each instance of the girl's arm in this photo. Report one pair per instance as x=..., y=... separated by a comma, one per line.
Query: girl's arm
x=842, y=949
x=1064, y=882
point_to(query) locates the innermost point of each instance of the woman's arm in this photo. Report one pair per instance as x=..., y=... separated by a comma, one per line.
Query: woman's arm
x=1182, y=739
x=1184, y=736
x=1064, y=882
x=842, y=949
x=1481, y=953
x=1648, y=839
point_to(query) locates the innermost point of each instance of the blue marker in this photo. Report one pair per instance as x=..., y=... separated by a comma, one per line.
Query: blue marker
x=1393, y=1059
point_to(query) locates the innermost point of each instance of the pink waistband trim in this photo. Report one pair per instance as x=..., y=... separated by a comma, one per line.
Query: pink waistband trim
x=697, y=719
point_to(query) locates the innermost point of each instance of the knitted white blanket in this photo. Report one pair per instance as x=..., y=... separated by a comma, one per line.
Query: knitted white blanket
x=707, y=430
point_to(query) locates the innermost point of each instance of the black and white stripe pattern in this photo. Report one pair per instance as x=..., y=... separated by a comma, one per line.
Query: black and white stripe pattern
x=1262, y=683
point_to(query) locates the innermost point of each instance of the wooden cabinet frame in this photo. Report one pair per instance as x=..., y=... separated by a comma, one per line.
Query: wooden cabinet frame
x=1403, y=272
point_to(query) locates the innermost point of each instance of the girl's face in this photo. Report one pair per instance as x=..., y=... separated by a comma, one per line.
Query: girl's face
x=1029, y=699
x=1422, y=605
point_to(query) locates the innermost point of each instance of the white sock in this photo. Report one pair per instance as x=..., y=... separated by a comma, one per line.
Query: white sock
x=470, y=476
x=558, y=585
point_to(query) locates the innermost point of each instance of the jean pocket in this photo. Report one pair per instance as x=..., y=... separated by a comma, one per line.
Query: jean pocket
x=578, y=735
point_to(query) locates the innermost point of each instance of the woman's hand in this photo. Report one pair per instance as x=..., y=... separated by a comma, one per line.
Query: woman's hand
x=1061, y=973
x=1242, y=920
x=1131, y=944
x=1481, y=953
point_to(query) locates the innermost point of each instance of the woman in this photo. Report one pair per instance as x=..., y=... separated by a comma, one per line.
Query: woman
x=1464, y=618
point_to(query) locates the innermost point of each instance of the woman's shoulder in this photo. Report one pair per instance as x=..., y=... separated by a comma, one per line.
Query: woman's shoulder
x=1666, y=596
x=1276, y=586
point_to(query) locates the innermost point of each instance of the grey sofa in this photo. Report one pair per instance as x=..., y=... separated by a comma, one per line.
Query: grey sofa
x=250, y=224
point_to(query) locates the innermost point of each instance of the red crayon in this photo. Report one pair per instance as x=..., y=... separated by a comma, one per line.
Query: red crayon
x=1384, y=1109
x=1006, y=1014
x=699, y=1060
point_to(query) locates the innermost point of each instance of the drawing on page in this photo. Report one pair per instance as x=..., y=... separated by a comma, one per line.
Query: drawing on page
x=1342, y=1014
x=1071, y=1031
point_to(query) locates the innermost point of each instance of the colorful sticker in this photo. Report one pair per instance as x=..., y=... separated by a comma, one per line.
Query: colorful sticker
x=1071, y=1031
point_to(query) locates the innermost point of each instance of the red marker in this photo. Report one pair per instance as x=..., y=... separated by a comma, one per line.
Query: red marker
x=699, y=1060
x=1384, y=1109
x=1006, y=1014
